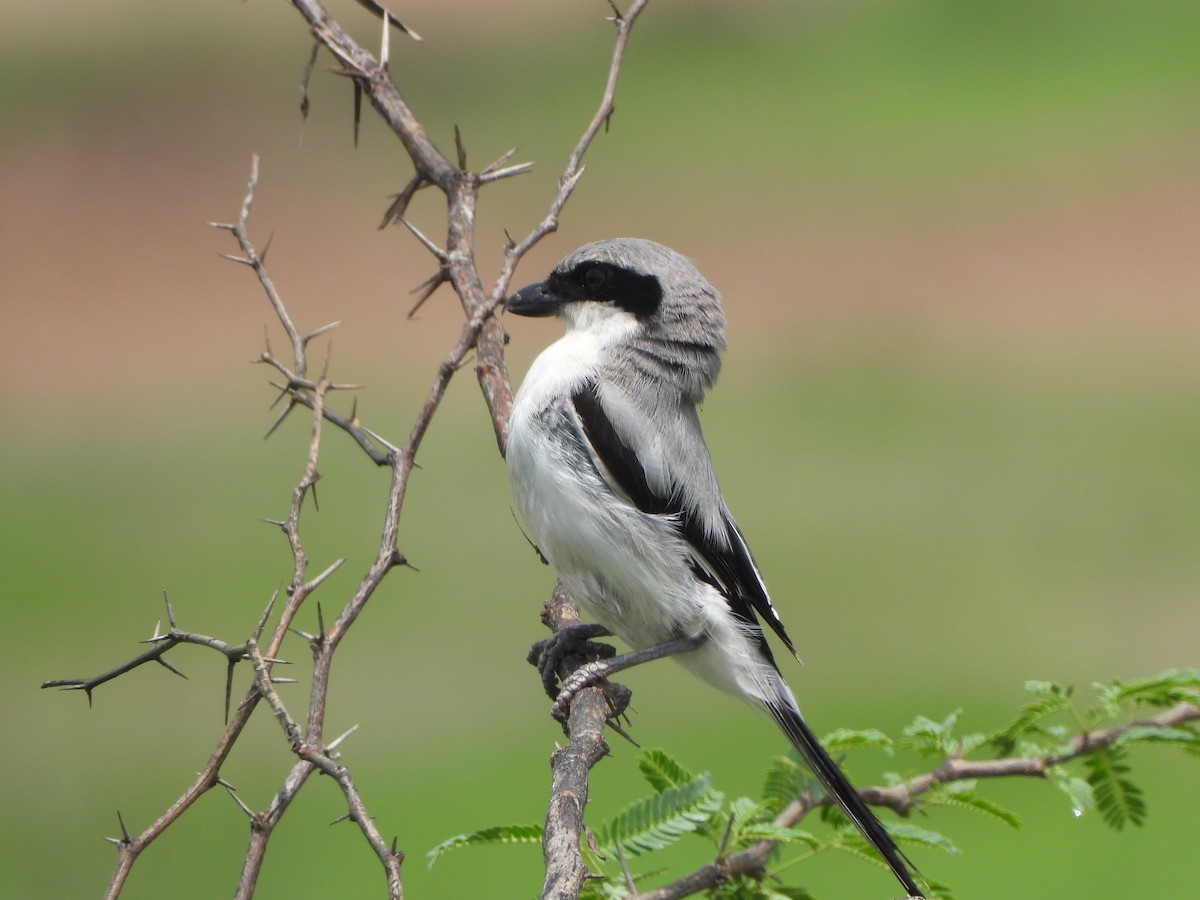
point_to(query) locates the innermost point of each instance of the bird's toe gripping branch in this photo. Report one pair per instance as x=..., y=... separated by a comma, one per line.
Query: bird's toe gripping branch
x=566, y=651
x=595, y=672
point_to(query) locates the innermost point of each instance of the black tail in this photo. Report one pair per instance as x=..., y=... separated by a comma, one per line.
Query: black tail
x=843, y=792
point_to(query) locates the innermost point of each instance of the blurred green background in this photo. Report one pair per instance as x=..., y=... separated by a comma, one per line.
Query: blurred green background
x=958, y=421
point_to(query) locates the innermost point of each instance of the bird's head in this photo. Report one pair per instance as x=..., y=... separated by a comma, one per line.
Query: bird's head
x=630, y=286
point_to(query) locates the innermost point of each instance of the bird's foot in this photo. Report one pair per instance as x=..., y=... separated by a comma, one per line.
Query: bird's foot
x=568, y=648
x=595, y=672
x=592, y=674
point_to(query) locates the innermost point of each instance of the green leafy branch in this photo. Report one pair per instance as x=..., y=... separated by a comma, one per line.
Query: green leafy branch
x=1080, y=748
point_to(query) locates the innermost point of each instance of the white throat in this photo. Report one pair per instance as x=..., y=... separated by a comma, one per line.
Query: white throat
x=592, y=328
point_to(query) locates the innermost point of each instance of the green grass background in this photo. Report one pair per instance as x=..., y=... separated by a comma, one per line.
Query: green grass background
x=948, y=493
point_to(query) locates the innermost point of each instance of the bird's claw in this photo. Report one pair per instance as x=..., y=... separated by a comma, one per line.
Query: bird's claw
x=568, y=648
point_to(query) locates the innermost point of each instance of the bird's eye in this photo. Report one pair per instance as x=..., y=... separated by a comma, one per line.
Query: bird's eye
x=593, y=278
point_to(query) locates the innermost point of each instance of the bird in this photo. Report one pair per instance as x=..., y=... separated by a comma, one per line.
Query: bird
x=615, y=485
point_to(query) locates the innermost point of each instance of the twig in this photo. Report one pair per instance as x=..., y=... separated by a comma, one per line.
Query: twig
x=752, y=860
x=482, y=335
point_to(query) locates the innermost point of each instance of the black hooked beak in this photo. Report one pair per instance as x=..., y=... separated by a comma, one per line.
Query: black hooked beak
x=534, y=300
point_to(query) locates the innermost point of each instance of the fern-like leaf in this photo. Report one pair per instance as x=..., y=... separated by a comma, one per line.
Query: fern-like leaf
x=499, y=834
x=662, y=770
x=848, y=738
x=1078, y=791
x=783, y=782
x=1163, y=690
x=1178, y=736
x=1051, y=698
x=1118, y=799
x=661, y=819
x=962, y=794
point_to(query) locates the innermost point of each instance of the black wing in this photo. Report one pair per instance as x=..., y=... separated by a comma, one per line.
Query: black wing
x=726, y=561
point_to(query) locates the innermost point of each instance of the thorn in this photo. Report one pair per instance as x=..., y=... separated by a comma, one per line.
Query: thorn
x=504, y=157
x=316, y=582
x=325, y=361
x=400, y=200
x=170, y=609
x=341, y=818
x=629, y=882
x=262, y=621
x=310, y=639
x=283, y=389
x=237, y=259
x=358, y=95
x=320, y=331
x=124, y=831
x=304, y=79
x=229, y=686
x=426, y=242
x=236, y=799
x=262, y=256
x=283, y=415
x=384, y=43
x=275, y=522
x=725, y=837
x=162, y=662
x=622, y=732
x=321, y=620
x=275, y=680
x=571, y=180
x=378, y=10
x=518, y=169
x=392, y=448
x=222, y=225
x=427, y=288
x=338, y=740
x=458, y=145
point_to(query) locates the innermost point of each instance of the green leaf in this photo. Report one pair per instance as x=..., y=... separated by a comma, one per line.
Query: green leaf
x=931, y=738
x=847, y=739
x=766, y=831
x=661, y=819
x=1179, y=736
x=904, y=833
x=662, y=770
x=782, y=783
x=1051, y=698
x=499, y=834
x=962, y=793
x=1078, y=791
x=1162, y=690
x=1118, y=799
x=939, y=890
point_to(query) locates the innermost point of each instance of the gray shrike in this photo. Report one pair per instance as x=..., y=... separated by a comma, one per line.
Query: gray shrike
x=613, y=480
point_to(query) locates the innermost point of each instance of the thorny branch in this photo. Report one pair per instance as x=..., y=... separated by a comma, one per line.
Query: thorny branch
x=482, y=334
